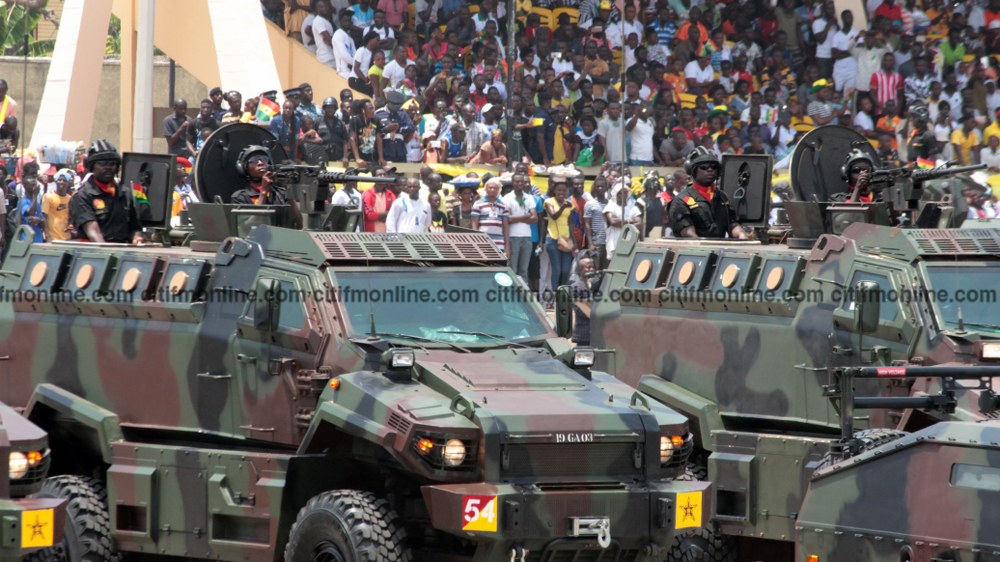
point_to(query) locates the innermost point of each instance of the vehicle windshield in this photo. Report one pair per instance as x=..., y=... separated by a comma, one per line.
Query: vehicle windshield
x=969, y=291
x=485, y=306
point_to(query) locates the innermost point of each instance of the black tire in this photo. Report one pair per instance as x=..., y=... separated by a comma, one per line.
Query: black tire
x=87, y=535
x=700, y=544
x=347, y=526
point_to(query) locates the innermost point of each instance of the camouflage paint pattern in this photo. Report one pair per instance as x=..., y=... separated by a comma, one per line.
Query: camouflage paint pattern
x=936, y=493
x=752, y=373
x=213, y=428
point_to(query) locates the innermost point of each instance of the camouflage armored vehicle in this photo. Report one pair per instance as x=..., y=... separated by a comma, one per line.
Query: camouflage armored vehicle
x=332, y=396
x=32, y=511
x=748, y=338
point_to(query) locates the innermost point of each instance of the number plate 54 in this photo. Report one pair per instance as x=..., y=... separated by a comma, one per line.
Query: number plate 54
x=479, y=513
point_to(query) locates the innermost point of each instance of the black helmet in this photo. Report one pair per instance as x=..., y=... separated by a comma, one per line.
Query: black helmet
x=920, y=111
x=855, y=155
x=699, y=156
x=241, y=160
x=329, y=102
x=101, y=151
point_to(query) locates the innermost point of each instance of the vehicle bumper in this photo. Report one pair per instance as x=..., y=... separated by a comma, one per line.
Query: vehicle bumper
x=638, y=516
x=29, y=524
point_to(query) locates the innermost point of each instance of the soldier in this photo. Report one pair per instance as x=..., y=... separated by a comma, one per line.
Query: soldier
x=100, y=210
x=922, y=143
x=857, y=171
x=252, y=165
x=396, y=127
x=700, y=210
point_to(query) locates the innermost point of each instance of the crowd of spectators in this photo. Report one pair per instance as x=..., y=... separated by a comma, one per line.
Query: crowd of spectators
x=735, y=76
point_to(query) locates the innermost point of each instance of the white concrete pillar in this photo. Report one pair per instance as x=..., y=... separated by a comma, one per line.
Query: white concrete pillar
x=242, y=48
x=142, y=118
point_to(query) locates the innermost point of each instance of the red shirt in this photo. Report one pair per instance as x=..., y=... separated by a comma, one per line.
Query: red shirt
x=893, y=13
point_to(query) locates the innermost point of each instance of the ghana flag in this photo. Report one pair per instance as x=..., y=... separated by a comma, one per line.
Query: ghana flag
x=139, y=193
x=267, y=109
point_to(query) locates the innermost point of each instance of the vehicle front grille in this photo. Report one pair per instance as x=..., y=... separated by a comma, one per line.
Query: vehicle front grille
x=571, y=461
x=32, y=481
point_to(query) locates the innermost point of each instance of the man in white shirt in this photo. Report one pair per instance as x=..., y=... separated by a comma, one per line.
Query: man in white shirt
x=609, y=129
x=322, y=33
x=349, y=196
x=521, y=205
x=824, y=29
x=845, y=66
x=616, y=35
x=343, y=46
x=395, y=71
x=620, y=211
x=308, y=40
x=640, y=131
x=699, y=74
x=409, y=214
x=387, y=37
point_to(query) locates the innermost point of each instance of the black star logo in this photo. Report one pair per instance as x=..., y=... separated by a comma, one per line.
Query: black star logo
x=688, y=510
x=37, y=529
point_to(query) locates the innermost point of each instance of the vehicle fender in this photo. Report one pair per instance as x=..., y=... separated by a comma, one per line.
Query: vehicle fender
x=333, y=421
x=703, y=415
x=101, y=426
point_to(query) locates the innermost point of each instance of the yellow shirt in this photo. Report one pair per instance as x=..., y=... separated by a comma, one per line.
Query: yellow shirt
x=965, y=143
x=56, y=210
x=558, y=150
x=558, y=227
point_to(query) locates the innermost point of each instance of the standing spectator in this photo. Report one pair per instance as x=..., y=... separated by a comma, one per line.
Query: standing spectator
x=365, y=135
x=395, y=71
x=886, y=83
x=215, y=95
x=322, y=32
x=175, y=128
x=363, y=14
x=332, y=131
x=376, y=203
x=917, y=88
x=362, y=63
x=640, y=128
x=55, y=208
x=543, y=134
x=609, y=130
x=349, y=196
x=824, y=30
x=203, y=121
x=619, y=212
x=869, y=55
x=966, y=141
x=31, y=202
x=521, y=206
x=559, y=246
x=408, y=213
x=491, y=216
x=593, y=220
x=397, y=12
x=845, y=66
x=343, y=47
x=8, y=107
x=286, y=128
x=386, y=35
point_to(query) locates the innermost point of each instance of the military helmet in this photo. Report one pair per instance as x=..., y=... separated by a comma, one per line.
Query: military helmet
x=241, y=161
x=853, y=156
x=101, y=151
x=699, y=156
x=920, y=111
x=329, y=101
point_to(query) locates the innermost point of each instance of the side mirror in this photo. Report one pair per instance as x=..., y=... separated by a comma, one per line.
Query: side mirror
x=867, y=306
x=267, y=305
x=564, y=311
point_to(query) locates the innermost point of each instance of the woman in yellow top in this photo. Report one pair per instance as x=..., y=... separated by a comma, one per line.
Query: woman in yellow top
x=375, y=73
x=558, y=210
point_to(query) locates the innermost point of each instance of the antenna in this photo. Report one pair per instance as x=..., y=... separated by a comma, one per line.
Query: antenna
x=961, y=321
x=24, y=94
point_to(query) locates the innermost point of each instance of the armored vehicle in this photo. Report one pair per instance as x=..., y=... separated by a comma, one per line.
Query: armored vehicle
x=750, y=338
x=32, y=509
x=297, y=395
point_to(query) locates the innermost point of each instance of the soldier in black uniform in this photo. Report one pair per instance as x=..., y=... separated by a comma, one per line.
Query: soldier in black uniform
x=700, y=210
x=251, y=164
x=857, y=172
x=922, y=143
x=101, y=210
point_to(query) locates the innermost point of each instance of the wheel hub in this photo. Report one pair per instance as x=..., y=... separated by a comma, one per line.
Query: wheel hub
x=328, y=552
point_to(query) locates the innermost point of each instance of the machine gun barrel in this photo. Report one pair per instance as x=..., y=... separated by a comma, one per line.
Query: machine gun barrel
x=285, y=174
x=885, y=177
x=344, y=177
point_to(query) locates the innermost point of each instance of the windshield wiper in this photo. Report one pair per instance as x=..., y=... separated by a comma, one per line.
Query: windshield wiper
x=421, y=339
x=975, y=324
x=483, y=335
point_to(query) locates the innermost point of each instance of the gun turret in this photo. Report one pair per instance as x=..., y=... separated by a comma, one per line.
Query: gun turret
x=885, y=178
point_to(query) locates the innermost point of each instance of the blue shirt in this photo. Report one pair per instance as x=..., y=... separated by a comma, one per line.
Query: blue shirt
x=540, y=210
x=25, y=204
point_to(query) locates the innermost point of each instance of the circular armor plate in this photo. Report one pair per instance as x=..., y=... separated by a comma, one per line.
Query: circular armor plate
x=84, y=276
x=643, y=270
x=38, y=273
x=687, y=273
x=774, y=278
x=131, y=279
x=178, y=282
x=730, y=275
x=215, y=168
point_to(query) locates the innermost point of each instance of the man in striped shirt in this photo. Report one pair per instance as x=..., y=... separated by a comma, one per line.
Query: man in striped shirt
x=491, y=216
x=886, y=84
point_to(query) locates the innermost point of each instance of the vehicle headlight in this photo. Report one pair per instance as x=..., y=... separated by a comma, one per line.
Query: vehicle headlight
x=990, y=351
x=18, y=465
x=668, y=444
x=454, y=452
x=583, y=357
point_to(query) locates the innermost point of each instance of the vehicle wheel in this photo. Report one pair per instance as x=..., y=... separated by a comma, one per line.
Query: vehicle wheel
x=346, y=526
x=700, y=544
x=87, y=535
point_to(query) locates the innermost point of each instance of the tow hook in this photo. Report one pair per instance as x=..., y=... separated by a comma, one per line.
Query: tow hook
x=593, y=526
x=518, y=553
